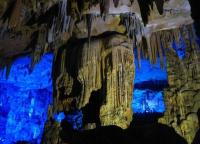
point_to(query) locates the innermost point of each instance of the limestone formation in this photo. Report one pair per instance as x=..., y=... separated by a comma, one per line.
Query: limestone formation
x=106, y=65
x=92, y=42
x=183, y=78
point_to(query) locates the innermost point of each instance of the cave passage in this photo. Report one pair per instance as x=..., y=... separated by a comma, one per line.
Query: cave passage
x=24, y=99
x=150, y=81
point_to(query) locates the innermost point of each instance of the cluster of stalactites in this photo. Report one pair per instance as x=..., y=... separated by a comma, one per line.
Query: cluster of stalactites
x=49, y=23
x=54, y=31
x=45, y=28
x=157, y=43
x=18, y=10
x=147, y=5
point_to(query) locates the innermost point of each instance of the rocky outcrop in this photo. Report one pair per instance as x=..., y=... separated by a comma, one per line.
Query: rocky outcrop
x=106, y=64
x=182, y=96
x=97, y=74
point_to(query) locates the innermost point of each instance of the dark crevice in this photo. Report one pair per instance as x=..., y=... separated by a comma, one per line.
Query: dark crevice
x=195, y=4
x=91, y=111
x=155, y=85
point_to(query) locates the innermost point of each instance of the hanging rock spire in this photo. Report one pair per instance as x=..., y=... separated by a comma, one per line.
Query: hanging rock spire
x=89, y=19
x=116, y=2
x=104, y=7
x=145, y=8
x=159, y=5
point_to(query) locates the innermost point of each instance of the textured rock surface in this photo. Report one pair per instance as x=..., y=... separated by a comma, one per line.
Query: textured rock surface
x=98, y=75
x=97, y=72
x=182, y=96
x=46, y=24
x=105, y=64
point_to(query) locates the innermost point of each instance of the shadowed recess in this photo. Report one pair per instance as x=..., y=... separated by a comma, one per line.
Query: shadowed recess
x=74, y=118
x=24, y=100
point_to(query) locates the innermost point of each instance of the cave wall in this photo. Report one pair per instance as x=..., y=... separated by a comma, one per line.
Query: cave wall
x=182, y=95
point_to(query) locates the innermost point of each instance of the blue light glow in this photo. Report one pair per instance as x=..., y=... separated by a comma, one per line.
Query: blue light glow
x=150, y=80
x=59, y=117
x=24, y=100
x=149, y=72
x=180, y=48
x=74, y=118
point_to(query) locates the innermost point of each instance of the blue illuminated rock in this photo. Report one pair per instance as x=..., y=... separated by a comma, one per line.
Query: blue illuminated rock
x=150, y=81
x=74, y=118
x=180, y=48
x=24, y=100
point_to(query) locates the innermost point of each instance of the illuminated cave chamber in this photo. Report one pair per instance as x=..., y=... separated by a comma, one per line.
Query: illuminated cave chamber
x=92, y=44
x=24, y=99
x=150, y=81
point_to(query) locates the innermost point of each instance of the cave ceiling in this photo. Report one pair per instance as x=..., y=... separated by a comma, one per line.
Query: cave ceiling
x=36, y=27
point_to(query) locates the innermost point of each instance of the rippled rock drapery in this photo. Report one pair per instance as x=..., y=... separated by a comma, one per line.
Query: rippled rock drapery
x=97, y=69
x=105, y=66
x=182, y=96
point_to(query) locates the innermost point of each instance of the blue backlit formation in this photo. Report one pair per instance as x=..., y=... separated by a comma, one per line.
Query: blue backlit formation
x=24, y=100
x=180, y=48
x=150, y=80
x=75, y=118
x=59, y=117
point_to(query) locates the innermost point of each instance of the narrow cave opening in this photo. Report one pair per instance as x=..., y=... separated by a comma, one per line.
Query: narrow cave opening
x=24, y=99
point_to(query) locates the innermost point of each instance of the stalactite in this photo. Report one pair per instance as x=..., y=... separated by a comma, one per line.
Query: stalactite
x=62, y=23
x=145, y=8
x=38, y=46
x=159, y=5
x=144, y=47
x=89, y=20
x=13, y=14
x=104, y=7
x=134, y=29
x=116, y=2
x=52, y=30
x=16, y=13
x=158, y=42
x=132, y=1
